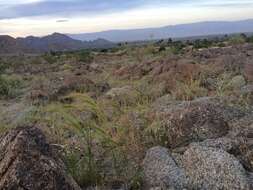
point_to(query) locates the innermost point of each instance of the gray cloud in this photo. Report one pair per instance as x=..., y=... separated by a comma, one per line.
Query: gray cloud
x=69, y=8
x=63, y=20
x=66, y=8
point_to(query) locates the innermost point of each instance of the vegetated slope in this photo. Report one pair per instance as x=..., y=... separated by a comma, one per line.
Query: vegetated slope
x=165, y=115
x=176, y=31
x=54, y=42
x=9, y=44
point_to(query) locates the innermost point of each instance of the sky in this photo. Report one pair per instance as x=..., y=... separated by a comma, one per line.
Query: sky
x=42, y=17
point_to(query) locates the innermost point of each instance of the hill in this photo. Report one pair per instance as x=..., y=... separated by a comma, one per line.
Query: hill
x=53, y=42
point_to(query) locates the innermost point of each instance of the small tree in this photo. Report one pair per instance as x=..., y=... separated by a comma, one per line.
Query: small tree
x=236, y=40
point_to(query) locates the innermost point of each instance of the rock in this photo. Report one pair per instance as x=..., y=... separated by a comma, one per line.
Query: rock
x=241, y=148
x=193, y=121
x=246, y=154
x=57, y=87
x=237, y=82
x=248, y=89
x=102, y=87
x=160, y=170
x=247, y=93
x=28, y=162
x=124, y=96
x=212, y=168
x=114, y=92
x=248, y=72
x=224, y=143
x=162, y=103
x=243, y=129
x=210, y=83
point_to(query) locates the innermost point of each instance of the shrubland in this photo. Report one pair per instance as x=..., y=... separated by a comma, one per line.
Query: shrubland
x=106, y=108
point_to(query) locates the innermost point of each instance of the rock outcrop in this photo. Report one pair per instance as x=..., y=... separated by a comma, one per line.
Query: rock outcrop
x=199, y=167
x=27, y=162
x=211, y=168
x=161, y=170
x=210, y=146
x=192, y=121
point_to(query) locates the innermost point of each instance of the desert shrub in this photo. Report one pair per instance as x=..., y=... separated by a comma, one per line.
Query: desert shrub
x=136, y=183
x=84, y=56
x=36, y=60
x=3, y=66
x=125, y=96
x=189, y=90
x=250, y=39
x=162, y=48
x=148, y=91
x=67, y=67
x=51, y=59
x=156, y=133
x=223, y=84
x=82, y=120
x=85, y=162
x=139, y=54
x=198, y=44
x=236, y=40
x=9, y=86
x=104, y=50
x=144, y=52
x=128, y=133
x=80, y=159
x=221, y=44
x=177, y=47
x=83, y=167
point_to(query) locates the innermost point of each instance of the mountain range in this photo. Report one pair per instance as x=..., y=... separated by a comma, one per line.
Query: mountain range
x=53, y=42
x=175, y=31
x=107, y=39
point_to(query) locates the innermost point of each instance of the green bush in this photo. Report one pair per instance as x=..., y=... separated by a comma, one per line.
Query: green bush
x=162, y=48
x=177, y=47
x=250, y=39
x=82, y=118
x=84, y=56
x=3, y=66
x=83, y=168
x=51, y=59
x=236, y=40
x=8, y=87
x=199, y=44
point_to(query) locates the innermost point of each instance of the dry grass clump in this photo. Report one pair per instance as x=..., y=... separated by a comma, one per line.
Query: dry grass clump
x=189, y=90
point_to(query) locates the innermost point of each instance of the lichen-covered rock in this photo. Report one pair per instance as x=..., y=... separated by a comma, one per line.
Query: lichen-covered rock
x=237, y=82
x=27, y=162
x=224, y=143
x=241, y=148
x=160, y=170
x=125, y=95
x=212, y=168
x=246, y=92
x=248, y=72
x=194, y=121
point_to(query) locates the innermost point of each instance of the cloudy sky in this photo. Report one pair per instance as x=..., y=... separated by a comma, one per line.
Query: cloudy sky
x=41, y=17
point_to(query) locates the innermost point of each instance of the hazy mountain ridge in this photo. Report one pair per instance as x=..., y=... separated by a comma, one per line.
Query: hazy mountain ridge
x=54, y=42
x=173, y=31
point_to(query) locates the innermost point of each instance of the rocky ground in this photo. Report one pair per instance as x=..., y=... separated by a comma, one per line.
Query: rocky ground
x=132, y=118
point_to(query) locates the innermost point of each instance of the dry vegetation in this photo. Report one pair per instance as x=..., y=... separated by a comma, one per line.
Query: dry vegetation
x=105, y=109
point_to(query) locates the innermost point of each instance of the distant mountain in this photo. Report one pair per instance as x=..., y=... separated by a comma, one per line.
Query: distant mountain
x=176, y=31
x=9, y=44
x=53, y=42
